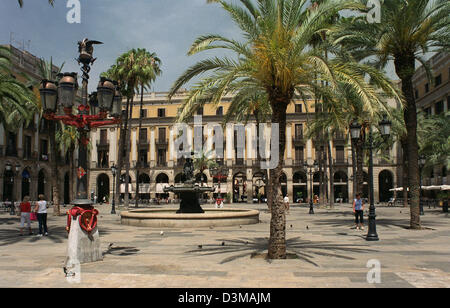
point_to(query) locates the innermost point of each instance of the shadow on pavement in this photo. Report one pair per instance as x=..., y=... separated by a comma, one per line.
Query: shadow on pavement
x=301, y=249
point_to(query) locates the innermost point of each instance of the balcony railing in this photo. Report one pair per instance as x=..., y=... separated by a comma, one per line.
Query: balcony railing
x=161, y=164
x=103, y=144
x=340, y=161
x=298, y=162
x=298, y=139
x=162, y=142
x=103, y=165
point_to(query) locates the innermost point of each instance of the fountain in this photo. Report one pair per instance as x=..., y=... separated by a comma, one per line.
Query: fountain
x=190, y=214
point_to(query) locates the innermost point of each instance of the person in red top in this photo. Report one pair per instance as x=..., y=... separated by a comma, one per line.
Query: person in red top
x=25, y=211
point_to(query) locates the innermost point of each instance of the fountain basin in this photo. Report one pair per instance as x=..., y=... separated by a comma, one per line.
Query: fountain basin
x=168, y=218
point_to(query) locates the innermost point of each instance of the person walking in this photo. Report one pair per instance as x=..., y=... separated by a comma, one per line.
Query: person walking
x=25, y=211
x=41, y=210
x=358, y=210
x=286, y=203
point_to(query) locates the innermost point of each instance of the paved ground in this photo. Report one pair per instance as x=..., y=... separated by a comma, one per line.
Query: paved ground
x=324, y=252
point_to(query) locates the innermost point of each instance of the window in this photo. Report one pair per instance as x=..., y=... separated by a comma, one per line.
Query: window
x=298, y=131
x=143, y=135
x=27, y=147
x=11, y=146
x=161, y=134
x=427, y=111
x=103, y=136
x=438, y=80
x=44, y=149
x=299, y=154
x=427, y=88
x=161, y=157
x=340, y=157
x=219, y=111
x=439, y=107
x=143, y=113
x=416, y=92
x=161, y=113
x=298, y=108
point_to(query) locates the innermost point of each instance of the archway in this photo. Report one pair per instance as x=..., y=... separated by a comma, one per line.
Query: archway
x=341, y=186
x=386, y=182
x=144, y=186
x=8, y=185
x=41, y=182
x=162, y=180
x=300, y=187
x=259, y=187
x=179, y=178
x=122, y=186
x=103, y=188
x=26, y=180
x=239, y=187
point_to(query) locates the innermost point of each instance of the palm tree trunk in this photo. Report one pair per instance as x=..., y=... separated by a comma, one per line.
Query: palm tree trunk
x=354, y=169
x=277, y=241
x=54, y=164
x=330, y=159
x=127, y=154
x=139, y=132
x=359, y=167
x=123, y=128
x=404, y=67
x=405, y=172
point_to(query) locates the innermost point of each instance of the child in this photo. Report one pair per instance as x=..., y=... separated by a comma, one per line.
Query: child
x=358, y=209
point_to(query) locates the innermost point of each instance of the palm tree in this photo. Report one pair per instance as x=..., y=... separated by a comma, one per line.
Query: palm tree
x=407, y=31
x=150, y=68
x=278, y=57
x=49, y=72
x=17, y=101
x=49, y=1
x=67, y=139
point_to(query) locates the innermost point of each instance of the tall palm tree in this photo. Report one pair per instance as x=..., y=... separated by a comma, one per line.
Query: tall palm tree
x=150, y=69
x=277, y=55
x=49, y=1
x=49, y=72
x=67, y=139
x=407, y=31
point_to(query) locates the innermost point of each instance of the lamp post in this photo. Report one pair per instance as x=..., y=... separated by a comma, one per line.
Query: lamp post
x=355, y=131
x=107, y=99
x=422, y=162
x=313, y=166
x=114, y=172
x=15, y=172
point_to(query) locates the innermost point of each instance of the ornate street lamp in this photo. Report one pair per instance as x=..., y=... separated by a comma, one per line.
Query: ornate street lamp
x=64, y=93
x=355, y=132
x=313, y=167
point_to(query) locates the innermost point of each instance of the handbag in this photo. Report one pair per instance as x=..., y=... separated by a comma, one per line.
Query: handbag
x=33, y=216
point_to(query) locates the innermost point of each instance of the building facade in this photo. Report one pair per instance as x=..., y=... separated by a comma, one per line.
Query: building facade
x=154, y=164
x=25, y=166
x=433, y=97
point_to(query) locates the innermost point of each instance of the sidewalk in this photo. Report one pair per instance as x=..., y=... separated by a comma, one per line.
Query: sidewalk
x=324, y=251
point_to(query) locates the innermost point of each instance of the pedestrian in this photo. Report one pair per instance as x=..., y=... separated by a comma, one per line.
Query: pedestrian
x=286, y=203
x=358, y=210
x=41, y=210
x=25, y=211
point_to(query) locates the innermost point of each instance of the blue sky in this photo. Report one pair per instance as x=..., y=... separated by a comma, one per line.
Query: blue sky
x=167, y=27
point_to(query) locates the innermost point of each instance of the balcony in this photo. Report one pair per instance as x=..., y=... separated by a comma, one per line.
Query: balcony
x=142, y=164
x=340, y=161
x=103, y=145
x=298, y=162
x=161, y=164
x=162, y=142
x=298, y=140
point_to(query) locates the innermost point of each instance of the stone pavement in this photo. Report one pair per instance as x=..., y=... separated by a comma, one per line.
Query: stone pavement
x=324, y=251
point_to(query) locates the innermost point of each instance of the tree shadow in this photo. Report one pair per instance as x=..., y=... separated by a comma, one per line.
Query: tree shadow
x=57, y=234
x=120, y=251
x=300, y=249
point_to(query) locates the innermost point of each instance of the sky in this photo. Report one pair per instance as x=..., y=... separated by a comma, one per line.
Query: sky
x=166, y=27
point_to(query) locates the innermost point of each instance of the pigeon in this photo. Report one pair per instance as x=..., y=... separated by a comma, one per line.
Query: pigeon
x=200, y=246
x=161, y=233
x=291, y=226
x=240, y=226
x=307, y=228
x=223, y=243
x=110, y=245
